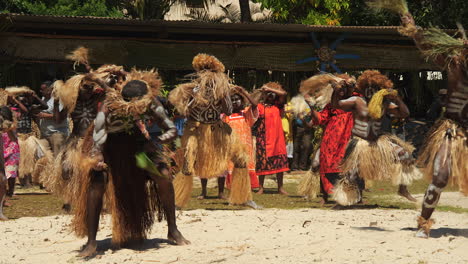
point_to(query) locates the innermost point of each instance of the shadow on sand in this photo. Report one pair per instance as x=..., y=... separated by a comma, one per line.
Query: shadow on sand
x=443, y=231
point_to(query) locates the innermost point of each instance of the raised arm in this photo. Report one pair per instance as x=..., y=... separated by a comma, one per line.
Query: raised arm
x=412, y=30
x=349, y=104
x=12, y=100
x=253, y=102
x=163, y=121
x=403, y=111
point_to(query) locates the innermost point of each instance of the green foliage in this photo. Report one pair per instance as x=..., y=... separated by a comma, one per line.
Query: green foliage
x=147, y=9
x=357, y=13
x=443, y=14
x=61, y=8
x=312, y=12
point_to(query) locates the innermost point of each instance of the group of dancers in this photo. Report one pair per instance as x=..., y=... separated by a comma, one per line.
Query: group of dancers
x=110, y=162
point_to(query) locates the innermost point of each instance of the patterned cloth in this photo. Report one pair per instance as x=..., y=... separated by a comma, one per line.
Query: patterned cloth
x=24, y=123
x=338, y=126
x=271, y=147
x=241, y=124
x=11, y=153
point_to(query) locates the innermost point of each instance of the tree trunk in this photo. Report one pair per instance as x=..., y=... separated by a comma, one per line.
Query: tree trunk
x=245, y=11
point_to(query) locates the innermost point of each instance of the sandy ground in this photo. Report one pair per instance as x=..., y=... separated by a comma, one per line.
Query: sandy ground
x=248, y=236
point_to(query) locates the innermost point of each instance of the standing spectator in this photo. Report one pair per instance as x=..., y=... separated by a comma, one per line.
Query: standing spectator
x=11, y=152
x=287, y=119
x=271, y=147
x=54, y=132
x=302, y=134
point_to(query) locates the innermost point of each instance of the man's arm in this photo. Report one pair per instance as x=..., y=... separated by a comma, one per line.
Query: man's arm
x=163, y=121
x=349, y=104
x=403, y=111
x=253, y=102
x=316, y=116
x=412, y=30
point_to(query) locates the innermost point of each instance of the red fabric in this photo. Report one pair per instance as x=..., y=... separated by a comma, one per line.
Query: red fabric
x=241, y=124
x=338, y=126
x=271, y=147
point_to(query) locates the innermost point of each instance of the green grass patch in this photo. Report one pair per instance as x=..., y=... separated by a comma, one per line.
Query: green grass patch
x=382, y=195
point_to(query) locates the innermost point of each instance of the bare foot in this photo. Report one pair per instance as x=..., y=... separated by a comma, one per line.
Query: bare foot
x=89, y=249
x=3, y=217
x=221, y=196
x=405, y=193
x=6, y=204
x=422, y=234
x=260, y=191
x=177, y=237
x=322, y=202
x=201, y=197
x=254, y=205
x=282, y=191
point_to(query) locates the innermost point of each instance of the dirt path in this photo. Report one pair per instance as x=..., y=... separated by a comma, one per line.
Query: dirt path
x=248, y=236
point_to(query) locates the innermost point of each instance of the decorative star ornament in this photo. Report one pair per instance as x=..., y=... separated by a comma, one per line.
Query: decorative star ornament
x=326, y=56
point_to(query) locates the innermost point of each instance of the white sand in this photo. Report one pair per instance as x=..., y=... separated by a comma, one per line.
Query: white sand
x=248, y=236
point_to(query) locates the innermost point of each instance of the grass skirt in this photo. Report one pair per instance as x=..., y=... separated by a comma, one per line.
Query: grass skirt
x=458, y=152
x=240, y=187
x=130, y=193
x=208, y=148
x=34, y=155
x=346, y=192
x=61, y=174
x=378, y=160
x=309, y=186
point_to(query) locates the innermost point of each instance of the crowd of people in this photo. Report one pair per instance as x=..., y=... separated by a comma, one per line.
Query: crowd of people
x=105, y=140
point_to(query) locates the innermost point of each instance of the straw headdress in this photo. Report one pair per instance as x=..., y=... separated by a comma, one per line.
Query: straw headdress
x=209, y=82
x=320, y=88
x=137, y=106
x=17, y=90
x=376, y=103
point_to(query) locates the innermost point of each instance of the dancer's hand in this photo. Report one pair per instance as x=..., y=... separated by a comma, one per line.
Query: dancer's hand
x=407, y=19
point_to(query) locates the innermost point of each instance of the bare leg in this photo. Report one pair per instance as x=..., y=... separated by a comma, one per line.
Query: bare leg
x=204, y=183
x=221, y=181
x=403, y=191
x=261, y=180
x=11, y=186
x=94, y=206
x=279, y=179
x=440, y=178
x=3, y=190
x=166, y=196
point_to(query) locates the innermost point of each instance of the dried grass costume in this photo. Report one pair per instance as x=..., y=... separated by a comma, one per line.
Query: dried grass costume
x=445, y=151
x=206, y=142
x=131, y=194
x=61, y=176
x=377, y=158
x=35, y=153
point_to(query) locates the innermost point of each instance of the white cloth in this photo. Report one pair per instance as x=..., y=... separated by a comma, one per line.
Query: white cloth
x=48, y=126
